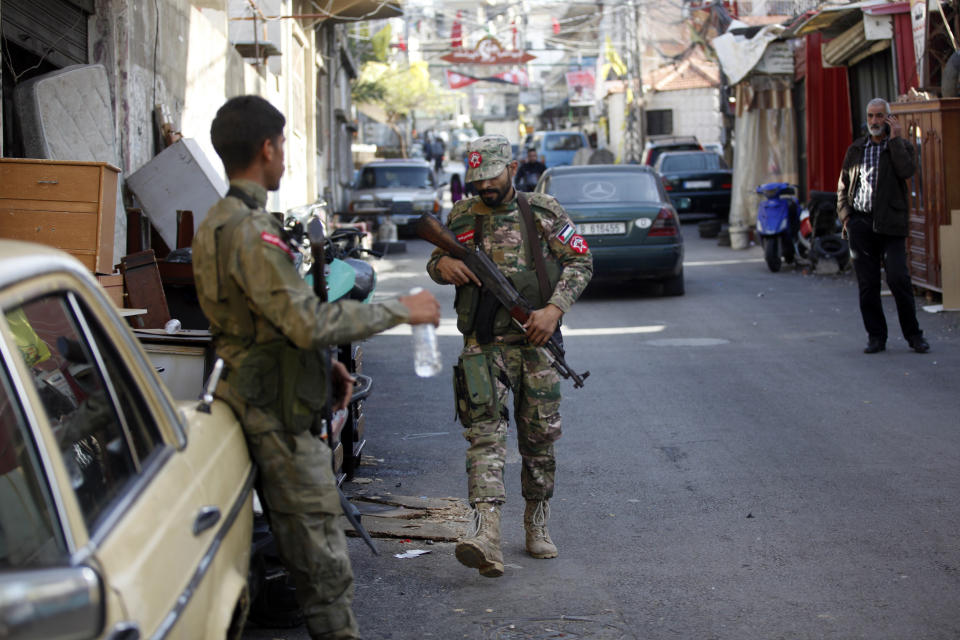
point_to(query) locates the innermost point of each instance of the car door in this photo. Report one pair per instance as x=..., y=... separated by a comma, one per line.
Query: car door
x=132, y=492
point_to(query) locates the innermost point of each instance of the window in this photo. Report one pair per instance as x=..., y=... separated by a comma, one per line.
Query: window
x=590, y=188
x=563, y=142
x=659, y=122
x=101, y=421
x=30, y=534
x=692, y=162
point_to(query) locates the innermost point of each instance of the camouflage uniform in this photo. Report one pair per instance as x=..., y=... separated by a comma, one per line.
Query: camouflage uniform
x=270, y=329
x=512, y=363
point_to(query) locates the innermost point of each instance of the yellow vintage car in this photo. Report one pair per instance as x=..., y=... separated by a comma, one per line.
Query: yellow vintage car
x=123, y=514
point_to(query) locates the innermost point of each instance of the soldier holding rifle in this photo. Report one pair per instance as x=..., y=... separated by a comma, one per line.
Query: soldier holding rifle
x=532, y=242
x=274, y=333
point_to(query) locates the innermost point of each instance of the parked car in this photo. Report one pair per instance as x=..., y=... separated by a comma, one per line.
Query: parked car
x=662, y=144
x=626, y=217
x=123, y=513
x=556, y=148
x=404, y=189
x=697, y=181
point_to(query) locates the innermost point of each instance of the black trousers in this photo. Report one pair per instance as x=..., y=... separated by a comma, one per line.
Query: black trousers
x=870, y=251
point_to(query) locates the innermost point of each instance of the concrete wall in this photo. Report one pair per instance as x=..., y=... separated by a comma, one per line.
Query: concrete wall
x=696, y=112
x=179, y=54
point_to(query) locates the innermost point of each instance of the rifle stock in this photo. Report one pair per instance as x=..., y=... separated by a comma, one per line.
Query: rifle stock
x=433, y=231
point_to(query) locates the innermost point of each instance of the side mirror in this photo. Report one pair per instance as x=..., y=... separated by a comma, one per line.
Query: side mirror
x=51, y=604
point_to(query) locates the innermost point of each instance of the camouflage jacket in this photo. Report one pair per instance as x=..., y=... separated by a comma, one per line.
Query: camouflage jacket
x=256, y=295
x=503, y=241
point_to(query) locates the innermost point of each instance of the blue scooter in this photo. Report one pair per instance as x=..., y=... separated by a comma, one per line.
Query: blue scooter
x=778, y=221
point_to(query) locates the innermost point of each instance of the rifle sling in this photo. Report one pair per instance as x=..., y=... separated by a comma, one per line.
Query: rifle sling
x=533, y=246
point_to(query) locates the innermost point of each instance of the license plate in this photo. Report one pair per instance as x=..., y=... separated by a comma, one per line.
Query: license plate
x=602, y=228
x=696, y=184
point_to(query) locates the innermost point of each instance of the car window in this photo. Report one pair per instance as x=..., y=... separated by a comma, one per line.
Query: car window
x=595, y=188
x=397, y=177
x=100, y=419
x=657, y=152
x=30, y=535
x=692, y=162
x=563, y=142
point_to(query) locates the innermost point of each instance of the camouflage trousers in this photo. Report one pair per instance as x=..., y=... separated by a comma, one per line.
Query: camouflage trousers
x=299, y=494
x=526, y=371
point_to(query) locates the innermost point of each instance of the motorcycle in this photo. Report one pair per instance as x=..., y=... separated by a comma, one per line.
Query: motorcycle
x=820, y=240
x=778, y=223
x=348, y=276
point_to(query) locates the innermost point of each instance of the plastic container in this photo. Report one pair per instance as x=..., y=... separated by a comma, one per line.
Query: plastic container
x=426, y=353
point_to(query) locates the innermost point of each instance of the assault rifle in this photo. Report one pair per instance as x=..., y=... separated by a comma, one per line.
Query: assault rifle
x=430, y=229
x=334, y=422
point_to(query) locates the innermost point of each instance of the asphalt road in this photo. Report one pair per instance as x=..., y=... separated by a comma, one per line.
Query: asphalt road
x=735, y=468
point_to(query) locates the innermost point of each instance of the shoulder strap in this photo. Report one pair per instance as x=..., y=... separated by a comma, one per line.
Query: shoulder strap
x=243, y=196
x=533, y=245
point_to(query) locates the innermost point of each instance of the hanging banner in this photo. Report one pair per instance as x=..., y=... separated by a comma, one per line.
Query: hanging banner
x=580, y=88
x=488, y=51
x=459, y=80
x=918, y=20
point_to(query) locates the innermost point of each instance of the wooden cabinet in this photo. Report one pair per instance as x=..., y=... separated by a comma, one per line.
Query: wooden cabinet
x=933, y=126
x=67, y=205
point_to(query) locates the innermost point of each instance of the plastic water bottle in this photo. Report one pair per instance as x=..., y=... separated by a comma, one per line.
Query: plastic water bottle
x=426, y=353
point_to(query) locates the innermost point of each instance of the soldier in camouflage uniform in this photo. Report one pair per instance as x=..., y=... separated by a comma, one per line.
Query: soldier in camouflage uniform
x=499, y=356
x=273, y=333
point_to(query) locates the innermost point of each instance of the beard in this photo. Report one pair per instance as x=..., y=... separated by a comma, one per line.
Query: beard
x=494, y=197
x=876, y=130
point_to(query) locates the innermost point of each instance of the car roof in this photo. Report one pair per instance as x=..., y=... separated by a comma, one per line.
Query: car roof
x=22, y=260
x=604, y=168
x=398, y=162
x=668, y=140
x=671, y=154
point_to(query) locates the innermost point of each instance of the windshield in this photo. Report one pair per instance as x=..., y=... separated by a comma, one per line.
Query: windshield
x=563, y=142
x=396, y=177
x=692, y=162
x=596, y=188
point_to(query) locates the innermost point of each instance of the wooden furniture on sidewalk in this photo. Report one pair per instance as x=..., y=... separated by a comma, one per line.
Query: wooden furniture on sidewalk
x=67, y=205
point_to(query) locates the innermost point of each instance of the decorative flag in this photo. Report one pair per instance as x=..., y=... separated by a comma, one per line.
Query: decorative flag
x=556, y=26
x=459, y=80
x=514, y=27
x=456, y=33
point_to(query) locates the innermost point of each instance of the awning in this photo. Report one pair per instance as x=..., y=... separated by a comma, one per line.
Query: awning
x=851, y=46
x=833, y=20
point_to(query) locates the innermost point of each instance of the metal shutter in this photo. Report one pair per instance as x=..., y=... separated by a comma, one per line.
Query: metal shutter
x=53, y=29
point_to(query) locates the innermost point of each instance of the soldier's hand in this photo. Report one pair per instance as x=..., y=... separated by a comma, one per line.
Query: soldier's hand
x=455, y=271
x=423, y=307
x=342, y=383
x=542, y=324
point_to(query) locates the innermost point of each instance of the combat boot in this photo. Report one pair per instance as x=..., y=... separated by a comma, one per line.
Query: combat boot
x=481, y=550
x=535, y=516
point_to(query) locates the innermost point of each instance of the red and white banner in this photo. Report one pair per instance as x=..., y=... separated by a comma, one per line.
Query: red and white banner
x=580, y=88
x=459, y=80
x=456, y=32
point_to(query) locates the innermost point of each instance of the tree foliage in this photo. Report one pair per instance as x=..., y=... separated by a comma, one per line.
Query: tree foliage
x=399, y=90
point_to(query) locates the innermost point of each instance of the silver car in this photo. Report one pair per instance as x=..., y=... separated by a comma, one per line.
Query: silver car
x=402, y=189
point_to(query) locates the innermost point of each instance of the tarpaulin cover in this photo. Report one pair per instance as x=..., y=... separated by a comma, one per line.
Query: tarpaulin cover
x=765, y=150
x=739, y=54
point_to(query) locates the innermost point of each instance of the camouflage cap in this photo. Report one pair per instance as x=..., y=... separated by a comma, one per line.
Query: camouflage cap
x=487, y=157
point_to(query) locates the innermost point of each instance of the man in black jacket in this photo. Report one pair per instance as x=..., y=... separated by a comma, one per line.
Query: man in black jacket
x=872, y=201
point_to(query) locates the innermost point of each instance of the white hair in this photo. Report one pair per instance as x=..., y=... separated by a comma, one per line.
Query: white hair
x=879, y=101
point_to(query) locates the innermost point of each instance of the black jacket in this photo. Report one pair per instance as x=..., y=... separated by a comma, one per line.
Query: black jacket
x=891, y=203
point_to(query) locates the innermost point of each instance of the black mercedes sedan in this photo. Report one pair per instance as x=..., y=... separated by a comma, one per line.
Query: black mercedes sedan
x=698, y=182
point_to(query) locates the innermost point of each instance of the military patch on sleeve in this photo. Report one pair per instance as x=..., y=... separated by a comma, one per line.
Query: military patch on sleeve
x=566, y=233
x=269, y=238
x=466, y=236
x=578, y=244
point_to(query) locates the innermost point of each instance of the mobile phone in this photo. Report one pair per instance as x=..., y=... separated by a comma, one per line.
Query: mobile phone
x=886, y=128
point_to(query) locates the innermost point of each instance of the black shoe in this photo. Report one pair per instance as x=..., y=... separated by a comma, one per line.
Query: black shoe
x=919, y=344
x=875, y=345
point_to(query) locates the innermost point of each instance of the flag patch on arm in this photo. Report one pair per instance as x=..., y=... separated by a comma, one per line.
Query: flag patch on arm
x=465, y=236
x=269, y=238
x=566, y=233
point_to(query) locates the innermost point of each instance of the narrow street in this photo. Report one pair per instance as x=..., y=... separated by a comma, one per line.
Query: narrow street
x=735, y=467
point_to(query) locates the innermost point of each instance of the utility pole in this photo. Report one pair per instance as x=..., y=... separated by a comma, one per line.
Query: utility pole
x=636, y=122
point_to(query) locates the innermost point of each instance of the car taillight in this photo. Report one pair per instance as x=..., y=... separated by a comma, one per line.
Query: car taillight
x=667, y=185
x=726, y=185
x=666, y=224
